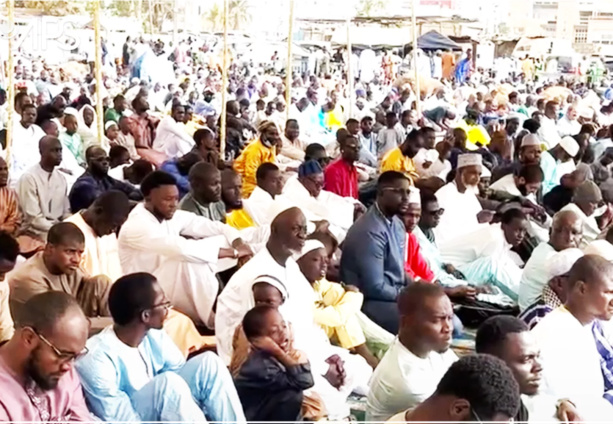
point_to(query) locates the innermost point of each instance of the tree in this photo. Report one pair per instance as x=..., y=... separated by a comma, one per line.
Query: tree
x=238, y=13
x=54, y=7
x=214, y=16
x=368, y=8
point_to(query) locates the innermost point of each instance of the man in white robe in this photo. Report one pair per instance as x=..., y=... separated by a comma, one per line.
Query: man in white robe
x=459, y=199
x=570, y=359
x=586, y=204
x=317, y=204
x=24, y=150
x=171, y=137
x=262, y=202
x=566, y=232
x=288, y=233
x=180, y=248
x=548, y=132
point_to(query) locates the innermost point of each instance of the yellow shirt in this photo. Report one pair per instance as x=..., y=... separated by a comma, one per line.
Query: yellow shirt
x=239, y=219
x=474, y=134
x=248, y=162
x=394, y=160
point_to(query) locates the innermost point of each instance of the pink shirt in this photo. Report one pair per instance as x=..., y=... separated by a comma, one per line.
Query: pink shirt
x=64, y=403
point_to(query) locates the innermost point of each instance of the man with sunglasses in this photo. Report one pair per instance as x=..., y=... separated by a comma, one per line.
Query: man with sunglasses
x=96, y=181
x=37, y=379
x=134, y=372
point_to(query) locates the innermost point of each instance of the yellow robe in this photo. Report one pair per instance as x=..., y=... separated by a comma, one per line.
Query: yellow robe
x=249, y=161
x=394, y=160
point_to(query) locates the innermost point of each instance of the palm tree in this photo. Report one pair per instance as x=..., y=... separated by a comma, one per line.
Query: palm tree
x=370, y=7
x=214, y=16
x=238, y=13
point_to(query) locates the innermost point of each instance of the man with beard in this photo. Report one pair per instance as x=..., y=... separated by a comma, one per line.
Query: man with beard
x=335, y=371
x=53, y=110
x=420, y=356
x=460, y=196
x=180, y=248
x=525, y=184
x=37, y=377
x=373, y=256
x=144, y=129
x=529, y=153
x=204, y=197
x=96, y=181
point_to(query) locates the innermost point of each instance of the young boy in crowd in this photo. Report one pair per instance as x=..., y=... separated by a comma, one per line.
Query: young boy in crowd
x=270, y=383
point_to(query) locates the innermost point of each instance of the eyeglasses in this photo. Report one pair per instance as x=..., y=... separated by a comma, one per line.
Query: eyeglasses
x=437, y=212
x=165, y=305
x=61, y=355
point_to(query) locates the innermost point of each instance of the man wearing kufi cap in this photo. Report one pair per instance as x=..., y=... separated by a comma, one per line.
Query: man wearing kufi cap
x=459, y=198
x=587, y=204
x=554, y=292
x=530, y=150
x=558, y=162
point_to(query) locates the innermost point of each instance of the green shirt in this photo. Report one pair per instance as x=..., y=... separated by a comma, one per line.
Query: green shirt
x=111, y=115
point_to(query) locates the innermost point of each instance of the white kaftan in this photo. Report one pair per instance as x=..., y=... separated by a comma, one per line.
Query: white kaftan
x=172, y=139
x=534, y=275
x=181, y=252
x=237, y=298
x=460, y=216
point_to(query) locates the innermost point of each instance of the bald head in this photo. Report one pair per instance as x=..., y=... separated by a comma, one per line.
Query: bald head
x=566, y=230
x=202, y=171
x=288, y=230
x=590, y=289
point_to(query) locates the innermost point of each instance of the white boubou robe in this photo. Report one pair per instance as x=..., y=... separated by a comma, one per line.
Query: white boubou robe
x=181, y=252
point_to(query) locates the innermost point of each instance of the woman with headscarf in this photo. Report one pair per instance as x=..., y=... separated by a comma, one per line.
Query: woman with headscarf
x=88, y=128
x=263, y=149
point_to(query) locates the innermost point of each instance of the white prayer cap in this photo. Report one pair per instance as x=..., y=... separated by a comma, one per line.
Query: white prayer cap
x=109, y=124
x=561, y=262
x=309, y=246
x=570, y=145
x=273, y=281
x=469, y=159
x=71, y=111
x=601, y=248
x=485, y=172
x=530, y=140
x=414, y=196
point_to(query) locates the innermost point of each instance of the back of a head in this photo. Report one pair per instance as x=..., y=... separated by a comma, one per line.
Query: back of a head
x=130, y=295
x=253, y=321
x=43, y=311
x=117, y=151
x=9, y=248
x=202, y=171
x=412, y=297
x=493, y=332
x=140, y=169
x=485, y=382
x=64, y=232
x=112, y=203
x=155, y=180
x=532, y=125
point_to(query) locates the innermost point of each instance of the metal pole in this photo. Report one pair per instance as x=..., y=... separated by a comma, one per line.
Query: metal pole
x=288, y=66
x=417, y=89
x=98, y=71
x=11, y=82
x=224, y=83
x=349, y=68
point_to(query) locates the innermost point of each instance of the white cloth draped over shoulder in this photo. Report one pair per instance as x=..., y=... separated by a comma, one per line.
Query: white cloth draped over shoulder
x=181, y=252
x=337, y=210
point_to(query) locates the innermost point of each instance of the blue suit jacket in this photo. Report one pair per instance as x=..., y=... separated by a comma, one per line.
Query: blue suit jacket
x=373, y=256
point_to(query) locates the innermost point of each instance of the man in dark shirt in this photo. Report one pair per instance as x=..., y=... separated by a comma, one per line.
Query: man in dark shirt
x=96, y=181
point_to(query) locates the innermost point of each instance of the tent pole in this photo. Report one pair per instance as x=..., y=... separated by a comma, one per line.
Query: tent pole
x=11, y=82
x=349, y=68
x=224, y=84
x=98, y=71
x=417, y=88
x=288, y=66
